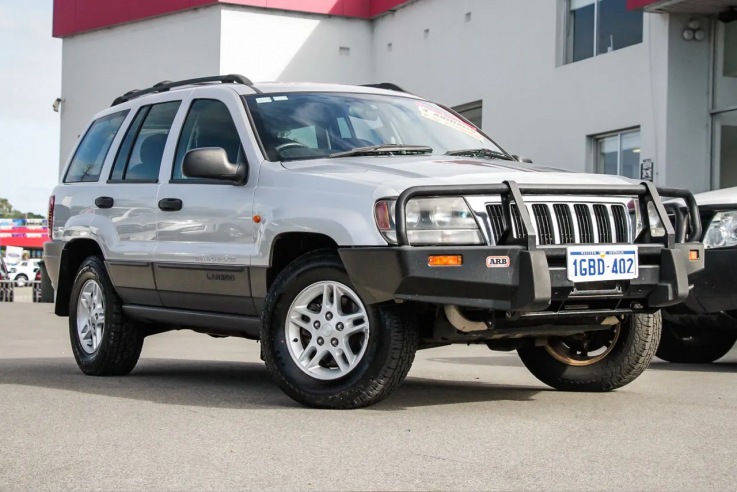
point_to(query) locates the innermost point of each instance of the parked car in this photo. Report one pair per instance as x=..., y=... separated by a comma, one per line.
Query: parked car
x=345, y=228
x=6, y=286
x=23, y=272
x=704, y=328
x=37, y=286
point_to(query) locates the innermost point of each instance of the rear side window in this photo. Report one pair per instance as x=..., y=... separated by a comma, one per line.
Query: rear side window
x=139, y=157
x=208, y=124
x=90, y=155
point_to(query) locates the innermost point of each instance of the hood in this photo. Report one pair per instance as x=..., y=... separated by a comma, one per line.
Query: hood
x=400, y=172
x=727, y=196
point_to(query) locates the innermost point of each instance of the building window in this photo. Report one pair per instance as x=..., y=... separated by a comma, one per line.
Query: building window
x=619, y=153
x=595, y=27
x=472, y=112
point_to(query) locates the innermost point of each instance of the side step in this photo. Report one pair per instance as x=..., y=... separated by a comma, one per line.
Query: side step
x=212, y=323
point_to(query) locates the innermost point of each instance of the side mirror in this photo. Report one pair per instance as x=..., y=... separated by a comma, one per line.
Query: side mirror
x=213, y=163
x=521, y=158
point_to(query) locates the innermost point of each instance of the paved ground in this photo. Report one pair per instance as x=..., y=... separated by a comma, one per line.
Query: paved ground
x=201, y=413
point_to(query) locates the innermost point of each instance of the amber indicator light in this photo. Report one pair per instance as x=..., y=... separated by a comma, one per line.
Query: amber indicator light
x=257, y=218
x=693, y=255
x=452, y=260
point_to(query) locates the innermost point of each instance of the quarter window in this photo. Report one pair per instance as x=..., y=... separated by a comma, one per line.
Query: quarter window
x=619, y=154
x=90, y=155
x=208, y=124
x=595, y=27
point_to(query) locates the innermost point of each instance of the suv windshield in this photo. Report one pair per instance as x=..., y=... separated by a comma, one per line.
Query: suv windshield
x=312, y=125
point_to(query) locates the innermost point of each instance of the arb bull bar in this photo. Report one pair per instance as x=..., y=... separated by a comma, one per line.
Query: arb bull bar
x=535, y=279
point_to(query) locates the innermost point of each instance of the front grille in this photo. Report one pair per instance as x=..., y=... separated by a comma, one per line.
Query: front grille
x=563, y=223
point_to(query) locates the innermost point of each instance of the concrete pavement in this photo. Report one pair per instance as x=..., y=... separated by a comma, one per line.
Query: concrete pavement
x=201, y=413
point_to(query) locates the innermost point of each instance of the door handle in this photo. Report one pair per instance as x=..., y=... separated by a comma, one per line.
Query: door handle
x=104, y=202
x=170, y=204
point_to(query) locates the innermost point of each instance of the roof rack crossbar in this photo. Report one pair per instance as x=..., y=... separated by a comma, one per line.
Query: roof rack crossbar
x=167, y=85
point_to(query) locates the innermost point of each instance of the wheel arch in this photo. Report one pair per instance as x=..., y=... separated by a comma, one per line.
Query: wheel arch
x=288, y=246
x=72, y=256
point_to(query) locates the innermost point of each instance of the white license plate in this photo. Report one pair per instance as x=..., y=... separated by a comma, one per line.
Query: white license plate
x=595, y=263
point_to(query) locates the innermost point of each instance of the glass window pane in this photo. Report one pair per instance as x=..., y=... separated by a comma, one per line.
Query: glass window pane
x=631, y=154
x=607, y=154
x=725, y=69
x=580, y=37
x=121, y=160
x=208, y=124
x=618, y=27
x=145, y=158
x=90, y=155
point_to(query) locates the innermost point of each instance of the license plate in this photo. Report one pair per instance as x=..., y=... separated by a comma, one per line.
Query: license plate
x=595, y=263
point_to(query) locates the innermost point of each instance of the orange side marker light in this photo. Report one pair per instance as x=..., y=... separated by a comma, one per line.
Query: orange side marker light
x=257, y=218
x=693, y=255
x=448, y=260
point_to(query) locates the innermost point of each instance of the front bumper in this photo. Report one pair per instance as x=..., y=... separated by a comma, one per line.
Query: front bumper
x=534, y=280
x=715, y=289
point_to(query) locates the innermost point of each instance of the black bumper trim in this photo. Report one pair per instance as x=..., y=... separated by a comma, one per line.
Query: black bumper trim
x=528, y=284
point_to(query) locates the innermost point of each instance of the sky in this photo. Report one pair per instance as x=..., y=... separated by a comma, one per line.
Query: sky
x=30, y=81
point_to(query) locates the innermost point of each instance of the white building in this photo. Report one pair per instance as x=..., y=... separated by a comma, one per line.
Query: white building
x=587, y=85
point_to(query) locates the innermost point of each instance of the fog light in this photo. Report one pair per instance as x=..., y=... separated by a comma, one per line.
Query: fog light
x=456, y=260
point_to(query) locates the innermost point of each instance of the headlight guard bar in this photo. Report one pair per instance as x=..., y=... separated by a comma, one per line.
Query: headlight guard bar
x=510, y=191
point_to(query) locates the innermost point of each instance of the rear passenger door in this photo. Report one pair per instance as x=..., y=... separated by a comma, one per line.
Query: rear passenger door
x=126, y=205
x=206, y=239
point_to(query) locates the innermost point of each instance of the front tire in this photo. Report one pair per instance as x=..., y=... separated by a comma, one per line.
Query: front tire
x=104, y=341
x=620, y=356
x=694, y=344
x=324, y=346
x=21, y=280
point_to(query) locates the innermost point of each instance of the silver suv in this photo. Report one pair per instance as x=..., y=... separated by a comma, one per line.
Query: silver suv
x=347, y=227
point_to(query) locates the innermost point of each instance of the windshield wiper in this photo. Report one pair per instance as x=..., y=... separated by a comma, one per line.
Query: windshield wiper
x=385, y=149
x=480, y=153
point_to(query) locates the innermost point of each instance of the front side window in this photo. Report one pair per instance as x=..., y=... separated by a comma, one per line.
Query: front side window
x=208, y=124
x=595, y=27
x=307, y=126
x=619, y=154
x=139, y=157
x=90, y=155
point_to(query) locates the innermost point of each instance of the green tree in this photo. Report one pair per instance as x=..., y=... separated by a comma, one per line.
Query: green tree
x=8, y=212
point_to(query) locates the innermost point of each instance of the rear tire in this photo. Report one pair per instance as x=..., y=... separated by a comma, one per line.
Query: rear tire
x=694, y=344
x=383, y=356
x=626, y=358
x=114, y=348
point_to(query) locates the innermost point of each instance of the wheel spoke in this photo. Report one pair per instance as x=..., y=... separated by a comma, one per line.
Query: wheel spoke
x=338, y=357
x=351, y=329
x=297, y=320
x=303, y=310
x=307, y=354
x=319, y=356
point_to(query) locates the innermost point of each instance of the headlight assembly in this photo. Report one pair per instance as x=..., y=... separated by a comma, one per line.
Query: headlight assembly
x=722, y=231
x=431, y=221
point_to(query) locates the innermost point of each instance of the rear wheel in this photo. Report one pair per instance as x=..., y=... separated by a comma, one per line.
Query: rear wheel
x=596, y=361
x=104, y=341
x=324, y=346
x=21, y=280
x=694, y=343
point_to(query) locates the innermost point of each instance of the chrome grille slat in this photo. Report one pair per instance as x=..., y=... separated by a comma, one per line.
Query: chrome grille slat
x=565, y=223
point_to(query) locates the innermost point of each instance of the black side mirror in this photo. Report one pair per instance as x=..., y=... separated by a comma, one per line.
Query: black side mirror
x=213, y=163
x=521, y=158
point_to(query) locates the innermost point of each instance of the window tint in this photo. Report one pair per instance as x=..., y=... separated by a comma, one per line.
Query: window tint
x=208, y=124
x=144, y=158
x=90, y=156
x=125, y=148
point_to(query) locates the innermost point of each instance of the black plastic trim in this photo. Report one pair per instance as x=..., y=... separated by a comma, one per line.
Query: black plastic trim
x=128, y=263
x=197, y=266
x=237, y=325
x=164, y=87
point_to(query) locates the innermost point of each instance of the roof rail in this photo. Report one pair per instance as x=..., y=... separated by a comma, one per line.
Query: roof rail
x=167, y=85
x=386, y=85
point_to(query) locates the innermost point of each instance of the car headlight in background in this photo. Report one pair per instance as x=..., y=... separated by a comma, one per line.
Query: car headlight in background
x=431, y=221
x=722, y=231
